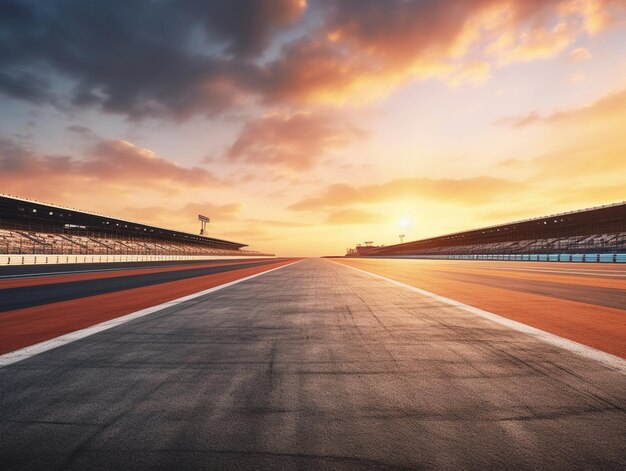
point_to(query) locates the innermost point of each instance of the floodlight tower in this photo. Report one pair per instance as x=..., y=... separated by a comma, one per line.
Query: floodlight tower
x=402, y=236
x=203, y=222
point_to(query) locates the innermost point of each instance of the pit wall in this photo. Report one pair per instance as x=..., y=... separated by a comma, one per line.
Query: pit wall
x=43, y=259
x=593, y=257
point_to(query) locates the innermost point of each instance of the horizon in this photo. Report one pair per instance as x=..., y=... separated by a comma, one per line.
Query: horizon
x=303, y=128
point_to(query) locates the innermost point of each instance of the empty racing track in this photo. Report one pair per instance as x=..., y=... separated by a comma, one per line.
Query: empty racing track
x=582, y=302
x=312, y=366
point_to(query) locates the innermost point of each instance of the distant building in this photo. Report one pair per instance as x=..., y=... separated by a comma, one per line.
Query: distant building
x=362, y=249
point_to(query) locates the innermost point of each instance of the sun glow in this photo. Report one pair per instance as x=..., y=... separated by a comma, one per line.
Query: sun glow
x=405, y=223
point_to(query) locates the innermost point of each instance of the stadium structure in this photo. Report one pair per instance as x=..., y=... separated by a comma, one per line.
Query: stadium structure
x=594, y=234
x=29, y=227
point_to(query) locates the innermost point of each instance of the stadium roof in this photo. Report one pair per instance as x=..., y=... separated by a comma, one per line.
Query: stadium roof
x=42, y=215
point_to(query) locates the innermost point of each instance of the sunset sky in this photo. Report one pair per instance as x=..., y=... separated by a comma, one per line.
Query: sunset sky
x=303, y=128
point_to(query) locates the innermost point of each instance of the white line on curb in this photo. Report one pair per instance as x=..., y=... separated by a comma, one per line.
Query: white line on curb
x=606, y=359
x=27, y=352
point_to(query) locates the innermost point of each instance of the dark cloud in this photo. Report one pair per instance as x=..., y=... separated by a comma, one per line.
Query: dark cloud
x=178, y=58
x=82, y=131
x=246, y=26
x=133, y=58
x=25, y=86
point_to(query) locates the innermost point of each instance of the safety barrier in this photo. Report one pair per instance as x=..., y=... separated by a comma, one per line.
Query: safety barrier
x=17, y=259
x=564, y=257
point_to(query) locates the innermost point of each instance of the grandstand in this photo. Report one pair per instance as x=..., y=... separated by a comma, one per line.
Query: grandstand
x=31, y=227
x=598, y=232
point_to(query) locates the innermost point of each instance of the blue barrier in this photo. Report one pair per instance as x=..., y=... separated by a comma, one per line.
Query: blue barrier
x=591, y=258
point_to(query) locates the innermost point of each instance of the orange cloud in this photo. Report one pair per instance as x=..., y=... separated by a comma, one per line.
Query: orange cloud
x=366, y=49
x=594, y=149
x=296, y=140
x=467, y=191
x=475, y=72
x=580, y=54
x=108, y=163
x=125, y=161
x=606, y=109
x=537, y=43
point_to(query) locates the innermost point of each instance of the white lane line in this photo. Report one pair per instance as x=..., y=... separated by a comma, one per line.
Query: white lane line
x=27, y=352
x=606, y=359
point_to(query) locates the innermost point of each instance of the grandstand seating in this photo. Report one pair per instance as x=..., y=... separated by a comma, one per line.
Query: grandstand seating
x=599, y=243
x=23, y=242
x=600, y=231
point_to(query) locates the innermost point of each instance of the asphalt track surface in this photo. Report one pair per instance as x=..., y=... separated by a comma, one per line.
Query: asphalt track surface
x=42, y=307
x=312, y=366
x=582, y=302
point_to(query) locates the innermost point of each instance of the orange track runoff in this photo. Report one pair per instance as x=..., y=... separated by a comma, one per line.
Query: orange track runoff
x=24, y=327
x=601, y=327
x=97, y=275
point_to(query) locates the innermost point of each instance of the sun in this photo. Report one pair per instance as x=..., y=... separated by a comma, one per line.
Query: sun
x=405, y=223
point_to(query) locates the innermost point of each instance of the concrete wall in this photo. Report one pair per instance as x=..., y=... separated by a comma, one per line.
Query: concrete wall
x=43, y=259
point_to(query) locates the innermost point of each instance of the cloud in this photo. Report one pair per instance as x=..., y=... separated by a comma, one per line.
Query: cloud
x=467, y=191
x=25, y=85
x=580, y=54
x=246, y=26
x=107, y=164
x=180, y=58
x=352, y=217
x=588, y=157
x=83, y=131
x=599, y=15
x=596, y=152
x=475, y=72
x=605, y=109
x=536, y=43
x=124, y=161
x=296, y=140
x=366, y=48
x=145, y=62
x=519, y=121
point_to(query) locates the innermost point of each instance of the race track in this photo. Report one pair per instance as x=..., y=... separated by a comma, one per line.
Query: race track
x=313, y=366
x=583, y=302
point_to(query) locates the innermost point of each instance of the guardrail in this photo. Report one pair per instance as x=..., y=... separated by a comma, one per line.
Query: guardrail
x=564, y=257
x=43, y=259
